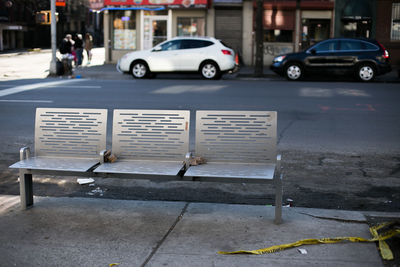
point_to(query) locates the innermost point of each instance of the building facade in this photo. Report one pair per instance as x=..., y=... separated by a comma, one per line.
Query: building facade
x=290, y=25
x=388, y=28
x=141, y=24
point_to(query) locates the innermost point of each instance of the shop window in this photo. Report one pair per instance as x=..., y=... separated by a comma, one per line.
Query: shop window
x=191, y=26
x=314, y=31
x=283, y=36
x=124, y=30
x=395, y=21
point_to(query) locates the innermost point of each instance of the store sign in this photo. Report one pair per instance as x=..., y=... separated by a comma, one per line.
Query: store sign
x=96, y=4
x=183, y=3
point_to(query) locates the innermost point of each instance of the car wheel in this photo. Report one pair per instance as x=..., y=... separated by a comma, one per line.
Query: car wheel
x=210, y=70
x=140, y=70
x=366, y=72
x=293, y=72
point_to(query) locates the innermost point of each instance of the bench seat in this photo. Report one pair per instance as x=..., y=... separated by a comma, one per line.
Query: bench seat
x=57, y=164
x=145, y=167
x=238, y=170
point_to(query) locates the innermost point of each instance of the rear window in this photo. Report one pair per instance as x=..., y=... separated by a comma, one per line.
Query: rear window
x=369, y=46
x=224, y=44
x=350, y=45
x=189, y=44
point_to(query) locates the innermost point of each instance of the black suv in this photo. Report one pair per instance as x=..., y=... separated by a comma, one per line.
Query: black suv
x=363, y=57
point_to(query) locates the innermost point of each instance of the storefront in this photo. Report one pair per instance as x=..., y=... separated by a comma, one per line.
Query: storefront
x=291, y=25
x=141, y=24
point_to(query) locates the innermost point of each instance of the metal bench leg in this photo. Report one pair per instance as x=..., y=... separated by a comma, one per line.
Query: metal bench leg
x=278, y=199
x=25, y=189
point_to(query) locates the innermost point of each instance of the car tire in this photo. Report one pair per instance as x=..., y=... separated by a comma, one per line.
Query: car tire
x=366, y=72
x=210, y=70
x=293, y=71
x=140, y=70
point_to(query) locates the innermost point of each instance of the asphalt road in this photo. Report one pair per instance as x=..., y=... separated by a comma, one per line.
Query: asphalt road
x=340, y=140
x=313, y=116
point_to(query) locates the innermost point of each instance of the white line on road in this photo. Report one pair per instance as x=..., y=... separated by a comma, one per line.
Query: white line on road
x=28, y=87
x=75, y=86
x=25, y=101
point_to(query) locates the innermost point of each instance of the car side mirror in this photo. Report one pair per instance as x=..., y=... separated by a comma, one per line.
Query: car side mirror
x=156, y=49
x=313, y=51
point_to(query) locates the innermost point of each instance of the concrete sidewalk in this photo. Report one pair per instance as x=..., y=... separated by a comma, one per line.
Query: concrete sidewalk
x=99, y=232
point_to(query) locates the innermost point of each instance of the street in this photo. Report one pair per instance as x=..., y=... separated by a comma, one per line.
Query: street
x=339, y=141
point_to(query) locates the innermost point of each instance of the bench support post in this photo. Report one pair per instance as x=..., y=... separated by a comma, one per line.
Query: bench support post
x=25, y=189
x=278, y=191
x=25, y=181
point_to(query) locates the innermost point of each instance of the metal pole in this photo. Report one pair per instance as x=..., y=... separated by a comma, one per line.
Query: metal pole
x=259, y=39
x=53, y=62
x=297, y=29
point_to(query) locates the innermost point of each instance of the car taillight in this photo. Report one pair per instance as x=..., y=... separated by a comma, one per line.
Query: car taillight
x=226, y=52
x=385, y=52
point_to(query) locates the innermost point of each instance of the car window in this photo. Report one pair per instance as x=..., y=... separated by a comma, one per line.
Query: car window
x=188, y=44
x=328, y=46
x=224, y=44
x=171, y=45
x=369, y=46
x=350, y=45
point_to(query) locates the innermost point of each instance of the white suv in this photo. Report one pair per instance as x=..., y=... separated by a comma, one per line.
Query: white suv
x=206, y=55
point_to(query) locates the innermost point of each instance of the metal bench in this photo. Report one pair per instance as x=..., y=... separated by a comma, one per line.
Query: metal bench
x=66, y=140
x=149, y=142
x=238, y=146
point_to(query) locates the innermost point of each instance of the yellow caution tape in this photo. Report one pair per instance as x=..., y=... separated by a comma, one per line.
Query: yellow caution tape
x=114, y=264
x=383, y=246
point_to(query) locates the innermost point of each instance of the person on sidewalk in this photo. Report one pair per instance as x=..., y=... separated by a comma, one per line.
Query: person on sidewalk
x=88, y=46
x=78, y=47
x=66, y=45
x=66, y=54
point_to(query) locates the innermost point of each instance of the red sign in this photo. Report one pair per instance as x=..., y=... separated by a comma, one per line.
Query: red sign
x=60, y=2
x=96, y=4
x=185, y=3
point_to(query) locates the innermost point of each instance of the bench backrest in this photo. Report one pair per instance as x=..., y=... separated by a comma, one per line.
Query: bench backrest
x=236, y=136
x=151, y=134
x=68, y=132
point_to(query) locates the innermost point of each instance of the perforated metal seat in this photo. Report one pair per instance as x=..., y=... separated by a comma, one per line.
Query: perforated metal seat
x=56, y=164
x=151, y=142
x=67, y=140
x=238, y=144
x=255, y=172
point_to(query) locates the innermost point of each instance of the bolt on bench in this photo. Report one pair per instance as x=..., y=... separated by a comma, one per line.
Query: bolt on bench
x=238, y=146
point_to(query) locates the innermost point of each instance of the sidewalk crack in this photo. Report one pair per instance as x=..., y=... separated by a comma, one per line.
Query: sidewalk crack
x=159, y=243
x=284, y=131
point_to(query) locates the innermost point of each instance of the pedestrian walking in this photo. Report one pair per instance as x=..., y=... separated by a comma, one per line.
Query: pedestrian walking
x=78, y=47
x=88, y=46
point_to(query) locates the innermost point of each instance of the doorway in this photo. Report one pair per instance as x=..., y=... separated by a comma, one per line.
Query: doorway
x=155, y=30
